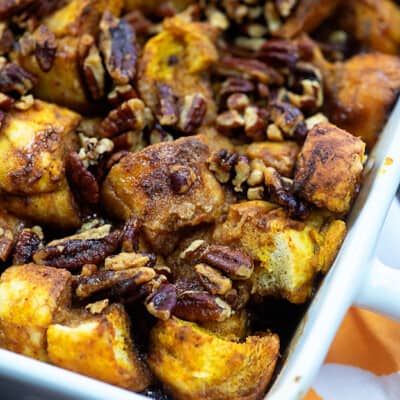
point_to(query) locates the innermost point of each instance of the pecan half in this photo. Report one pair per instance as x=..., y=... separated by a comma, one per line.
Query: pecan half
x=201, y=306
x=14, y=79
x=255, y=119
x=235, y=263
x=73, y=253
x=91, y=67
x=45, y=48
x=162, y=302
x=181, y=178
x=27, y=244
x=212, y=280
x=192, y=113
x=238, y=101
x=279, y=52
x=253, y=69
x=118, y=46
x=236, y=85
x=229, y=122
x=167, y=113
x=106, y=279
x=82, y=179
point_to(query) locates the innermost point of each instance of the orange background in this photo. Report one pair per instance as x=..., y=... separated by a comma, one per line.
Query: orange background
x=365, y=340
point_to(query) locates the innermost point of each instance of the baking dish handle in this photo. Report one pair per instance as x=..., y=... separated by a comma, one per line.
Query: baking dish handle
x=381, y=290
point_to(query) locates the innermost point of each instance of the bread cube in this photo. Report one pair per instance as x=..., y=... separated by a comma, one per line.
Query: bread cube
x=288, y=253
x=179, y=57
x=373, y=23
x=234, y=329
x=62, y=84
x=80, y=16
x=31, y=298
x=193, y=364
x=33, y=147
x=99, y=346
x=168, y=186
x=360, y=92
x=329, y=168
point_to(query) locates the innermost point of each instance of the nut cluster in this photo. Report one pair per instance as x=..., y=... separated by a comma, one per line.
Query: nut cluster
x=257, y=180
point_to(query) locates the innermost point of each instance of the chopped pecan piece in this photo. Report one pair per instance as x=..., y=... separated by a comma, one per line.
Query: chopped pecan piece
x=106, y=279
x=27, y=244
x=235, y=263
x=282, y=196
x=6, y=39
x=242, y=173
x=285, y=7
x=7, y=241
x=289, y=119
x=162, y=302
x=222, y=164
x=121, y=93
x=46, y=48
x=131, y=115
x=201, y=306
x=118, y=46
x=14, y=79
x=195, y=248
x=6, y=102
x=213, y=281
x=92, y=149
x=130, y=235
x=123, y=261
x=91, y=67
x=97, y=307
x=73, y=253
x=2, y=118
x=82, y=179
x=255, y=119
x=239, y=296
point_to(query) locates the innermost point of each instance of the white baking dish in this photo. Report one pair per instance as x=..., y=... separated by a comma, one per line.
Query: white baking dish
x=355, y=278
